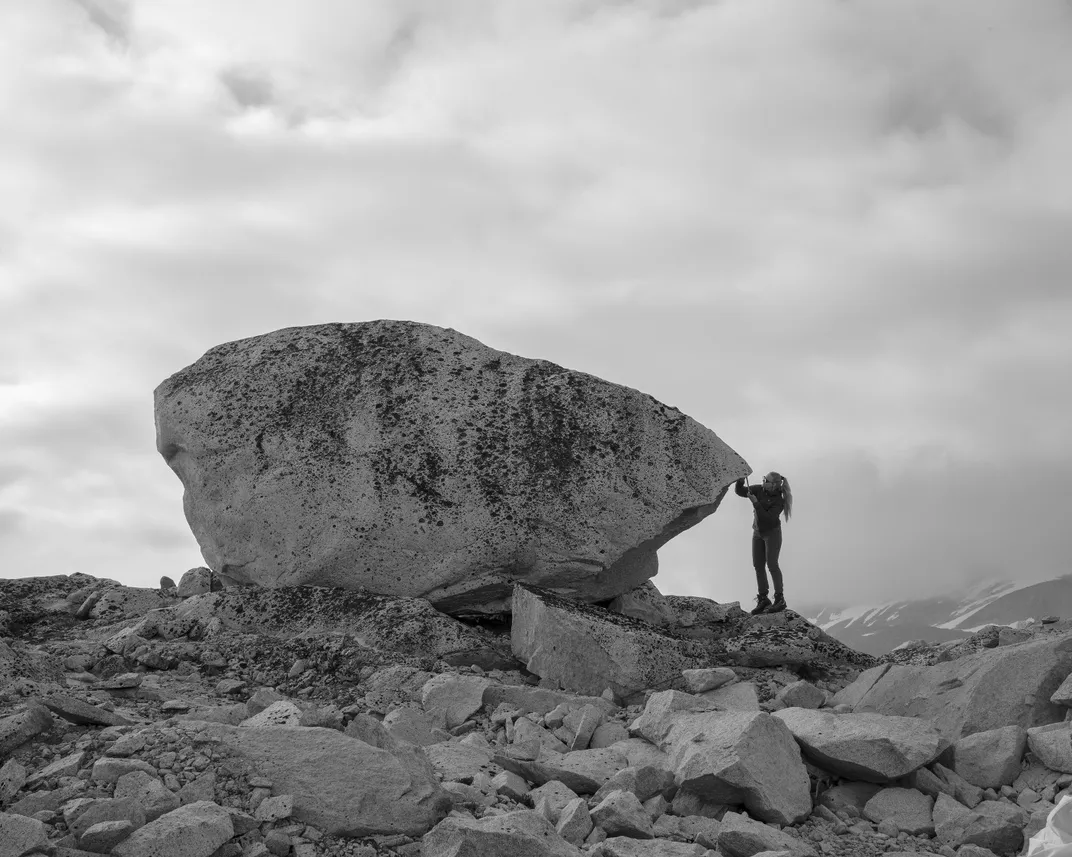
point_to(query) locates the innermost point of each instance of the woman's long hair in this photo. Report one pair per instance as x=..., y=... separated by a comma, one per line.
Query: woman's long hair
x=787, y=493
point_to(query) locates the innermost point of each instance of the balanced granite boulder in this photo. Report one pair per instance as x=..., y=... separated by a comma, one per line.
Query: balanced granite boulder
x=412, y=460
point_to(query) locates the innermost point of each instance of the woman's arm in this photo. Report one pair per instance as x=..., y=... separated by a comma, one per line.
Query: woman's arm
x=741, y=491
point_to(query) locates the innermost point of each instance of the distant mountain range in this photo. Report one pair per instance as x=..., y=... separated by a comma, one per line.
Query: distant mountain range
x=879, y=629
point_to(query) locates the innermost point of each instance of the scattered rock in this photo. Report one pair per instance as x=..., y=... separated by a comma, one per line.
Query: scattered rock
x=989, y=759
x=196, y=830
x=873, y=747
x=523, y=833
x=623, y=654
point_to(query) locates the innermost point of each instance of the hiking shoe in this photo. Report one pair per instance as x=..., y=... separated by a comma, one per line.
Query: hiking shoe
x=762, y=603
x=778, y=606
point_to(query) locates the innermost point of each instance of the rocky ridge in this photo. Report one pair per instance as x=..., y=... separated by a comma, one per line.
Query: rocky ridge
x=308, y=721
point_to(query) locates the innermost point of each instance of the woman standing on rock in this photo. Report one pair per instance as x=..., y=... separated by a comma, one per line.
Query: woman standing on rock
x=769, y=501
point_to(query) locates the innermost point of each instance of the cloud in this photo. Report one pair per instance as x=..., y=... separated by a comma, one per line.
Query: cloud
x=112, y=17
x=10, y=521
x=834, y=233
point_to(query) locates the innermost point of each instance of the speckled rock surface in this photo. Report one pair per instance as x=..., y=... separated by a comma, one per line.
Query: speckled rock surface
x=412, y=460
x=1006, y=686
x=876, y=748
x=729, y=757
x=620, y=653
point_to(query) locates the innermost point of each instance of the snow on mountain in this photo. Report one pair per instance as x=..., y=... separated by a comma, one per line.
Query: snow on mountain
x=988, y=596
x=877, y=629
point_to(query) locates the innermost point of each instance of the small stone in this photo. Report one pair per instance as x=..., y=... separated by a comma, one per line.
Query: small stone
x=296, y=669
x=109, y=770
x=700, y=680
x=105, y=835
x=510, y=784
x=148, y=791
x=621, y=814
x=275, y=808
x=574, y=822
x=277, y=842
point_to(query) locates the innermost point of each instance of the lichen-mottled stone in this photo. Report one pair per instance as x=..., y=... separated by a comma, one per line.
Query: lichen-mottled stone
x=1007, y=686
x=411, y=460
x=620, y=653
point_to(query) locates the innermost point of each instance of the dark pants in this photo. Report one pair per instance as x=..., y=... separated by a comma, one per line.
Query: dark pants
x=765, y=550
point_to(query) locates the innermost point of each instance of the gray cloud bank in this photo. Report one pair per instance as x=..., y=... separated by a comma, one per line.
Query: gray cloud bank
x=835, y=233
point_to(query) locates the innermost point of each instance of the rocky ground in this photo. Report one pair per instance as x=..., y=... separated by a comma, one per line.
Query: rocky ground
x=196, y=723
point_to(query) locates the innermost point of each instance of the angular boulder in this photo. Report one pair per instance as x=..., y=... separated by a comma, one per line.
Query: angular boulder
x=989, y=759
x=624, y=846
x=992, y=824
x=1007, y=686
x=740, y=836
x=194, y=830
x=340, y=784
x=645, y=603
x=911, y=811
x=730, y=757
x=624, y=654
x=582, y=771
x=16, y=729
x=408, y=459
x=520, y=834
x=875, y=748
x=20, y=835
x=1052, y=745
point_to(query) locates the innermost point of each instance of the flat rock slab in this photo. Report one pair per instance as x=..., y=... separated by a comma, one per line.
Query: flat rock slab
x=520, y=834
x=20, y=835
x=539, y=700
x=18, y=728
x=741, y=836
x=1007, y=686
x=341, y=785
x=412, y=460
x=908, y=809
x=876, y=748
x=79, y=711
x=457, y=762
x=624, y=846
x=451, y=699
x=583, y=771
x=195, y=830
x=626, y=655
x=990, y=759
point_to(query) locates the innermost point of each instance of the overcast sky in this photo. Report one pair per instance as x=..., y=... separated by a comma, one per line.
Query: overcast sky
x=837, y=233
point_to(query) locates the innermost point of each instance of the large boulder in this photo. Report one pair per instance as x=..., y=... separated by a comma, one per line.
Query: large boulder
x=1007, y=686
x=340, y=784
x=407, y=459
x=876, y=748
x=731, y=757
x=992, y=824
x=523, y=833
x=626, y=655
x=989, y=759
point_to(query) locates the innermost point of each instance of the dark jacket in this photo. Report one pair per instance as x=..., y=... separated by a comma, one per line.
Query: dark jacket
x=767, y=506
